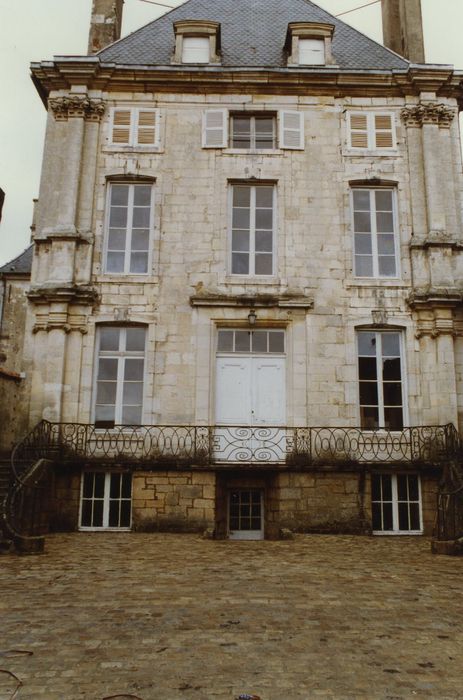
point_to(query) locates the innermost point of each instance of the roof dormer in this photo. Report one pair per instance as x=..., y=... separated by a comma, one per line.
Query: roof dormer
x=309, y=44
x=196, y=42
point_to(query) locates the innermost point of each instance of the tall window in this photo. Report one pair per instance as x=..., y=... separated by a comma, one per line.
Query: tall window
x=252, y=234
x=375, y=243
x=380, y=380
x=257, y=132
x=396, y=503
x=119, y=376
x=106, y=500
x=130, y=221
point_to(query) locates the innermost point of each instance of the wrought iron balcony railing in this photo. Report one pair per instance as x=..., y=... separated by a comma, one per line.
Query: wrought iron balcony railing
x=210, y=445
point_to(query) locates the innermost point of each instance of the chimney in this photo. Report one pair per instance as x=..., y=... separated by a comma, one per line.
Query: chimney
x=403, y=28
x=105, y=24
x=2, y=199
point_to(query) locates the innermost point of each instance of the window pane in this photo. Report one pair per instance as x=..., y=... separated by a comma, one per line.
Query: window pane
x=384, y=222
x=264, y=241
x=386, y=266
x=363, y=244
x=387, y=516
x=131, y=415
x=113, y=520
x=364, y=266
x=241, y=196
x=140, y=240
x=133, y=393
x=106, y=392
x=404, y=522
x=141, y=217
x=392, y=394
x=390, y=344
x=264, y=125
x=115, y=262
x=242, y=125
x=361, y=200
x=104, y=416
x=276, y=341
x=115, y=486
x=383, y=200
x=259, y=341
x=265, y=142
x=87, y=491
x=240, y=240
x=126, y=486
x=107, y=368
x=386, y=482
x=99, y=485
x=86, y=519
x=414, y=510
x=386, y=244
x=142, y=195
x=135, y=339
x=118, y=217
x=225, y=341
x=97, y=520
x=362, y=222
x=375, y=487
x=116, y=239
x=413, y=487
x=255, y=523
x=264, y=197
x=391, y=369
x=240, y=263
x=242, y=341
x=134, y=369
x=139, y=263
x=367, y=368
x=241, y=218
x=264, y=219
x=241, y=142
x=125, y=510
x=120, y=195
x=369, y=417
x=393, y=418
x=264, y=264
x=376, y=511
x=367, y=343
x=402, y=487
x=368, y=393
x=109, y=339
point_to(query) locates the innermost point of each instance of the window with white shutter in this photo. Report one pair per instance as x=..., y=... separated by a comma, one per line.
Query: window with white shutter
x=135, y=126
x=215, y=128
x=371, y=131
x=196, y=49
x=292, y=130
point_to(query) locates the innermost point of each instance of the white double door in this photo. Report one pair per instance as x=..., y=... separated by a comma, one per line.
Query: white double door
x=250, y=398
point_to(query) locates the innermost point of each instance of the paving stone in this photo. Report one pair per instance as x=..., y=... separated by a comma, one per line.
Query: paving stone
x=181, y=618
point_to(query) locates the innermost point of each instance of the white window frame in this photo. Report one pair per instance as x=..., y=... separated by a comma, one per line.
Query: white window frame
x=379, y=377
x=119, y=355
x=106, y=500
x=252, y=118
x=134, y=128
x=252, y=230
x=374, y=232
x=395, y=507
x=186, y=39
x=371, y=131
x=129, y=229
x=312, y=41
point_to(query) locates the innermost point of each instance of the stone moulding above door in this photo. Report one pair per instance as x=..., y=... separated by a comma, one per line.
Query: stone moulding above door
x=284, y=301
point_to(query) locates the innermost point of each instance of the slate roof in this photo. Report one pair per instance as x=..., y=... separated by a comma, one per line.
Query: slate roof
x=253, y=34
x=21, y=265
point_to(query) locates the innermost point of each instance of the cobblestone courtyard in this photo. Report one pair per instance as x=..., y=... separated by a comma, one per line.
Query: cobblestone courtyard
x=180, y=618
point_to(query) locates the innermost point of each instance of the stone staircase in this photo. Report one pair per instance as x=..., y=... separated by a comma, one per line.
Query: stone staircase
x=5, y=467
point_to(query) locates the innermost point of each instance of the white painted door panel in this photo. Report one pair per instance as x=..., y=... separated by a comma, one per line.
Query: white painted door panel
x=268, y=401
x=233, y=395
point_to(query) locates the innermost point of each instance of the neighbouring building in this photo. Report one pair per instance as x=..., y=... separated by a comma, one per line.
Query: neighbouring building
x=246, y=297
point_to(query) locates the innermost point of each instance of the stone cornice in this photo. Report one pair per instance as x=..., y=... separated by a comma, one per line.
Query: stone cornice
x=432, y=299
x=434, y=239
x=431, y=113
x=282, y=301
x=88, y=72
x=67, y=294
x=65, y=108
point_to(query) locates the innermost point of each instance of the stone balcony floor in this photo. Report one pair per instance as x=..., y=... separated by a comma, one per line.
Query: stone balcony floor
x=175, y=617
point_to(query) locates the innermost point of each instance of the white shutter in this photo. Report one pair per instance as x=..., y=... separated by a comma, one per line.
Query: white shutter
x=384, y=131
x=215, y=128
x=311, y=52
x=292, y=130
x=121, y=123
x=358, y=130
x=147, y=127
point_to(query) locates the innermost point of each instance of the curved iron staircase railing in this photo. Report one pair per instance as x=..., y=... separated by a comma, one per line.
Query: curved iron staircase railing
x=449, y=521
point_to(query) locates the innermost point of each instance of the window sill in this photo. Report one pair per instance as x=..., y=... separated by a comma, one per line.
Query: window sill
x=112, y=278
x=370, y=152
x=132, y=149
x=248, y=280
x=253, y=152
x=378, y=282
x=104, y=529
x=396, y=533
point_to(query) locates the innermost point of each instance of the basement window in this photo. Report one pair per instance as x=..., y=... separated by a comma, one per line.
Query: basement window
x=396, y=504
x=106, y=501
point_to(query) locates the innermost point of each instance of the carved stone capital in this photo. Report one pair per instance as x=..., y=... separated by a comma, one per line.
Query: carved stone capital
x=84, y=107
x=438, y=114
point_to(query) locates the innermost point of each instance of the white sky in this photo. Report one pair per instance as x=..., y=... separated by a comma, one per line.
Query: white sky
x=34, y=30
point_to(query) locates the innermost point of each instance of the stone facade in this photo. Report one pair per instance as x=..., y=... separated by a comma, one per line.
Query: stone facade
x=190, y=291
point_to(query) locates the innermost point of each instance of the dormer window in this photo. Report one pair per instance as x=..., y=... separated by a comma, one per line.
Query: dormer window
x=196, y=42
x=309, y=44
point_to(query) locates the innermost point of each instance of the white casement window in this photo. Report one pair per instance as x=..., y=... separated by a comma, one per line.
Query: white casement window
x=375, y=232
x=252, y=229
x=381, y=385
x=129, y=227
x=371, y=131
x=312, y=52
x=196, y=49
x=120, y=370
x=253, y=131
x=396, y=504
x=106, y=501
x=134, y=126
